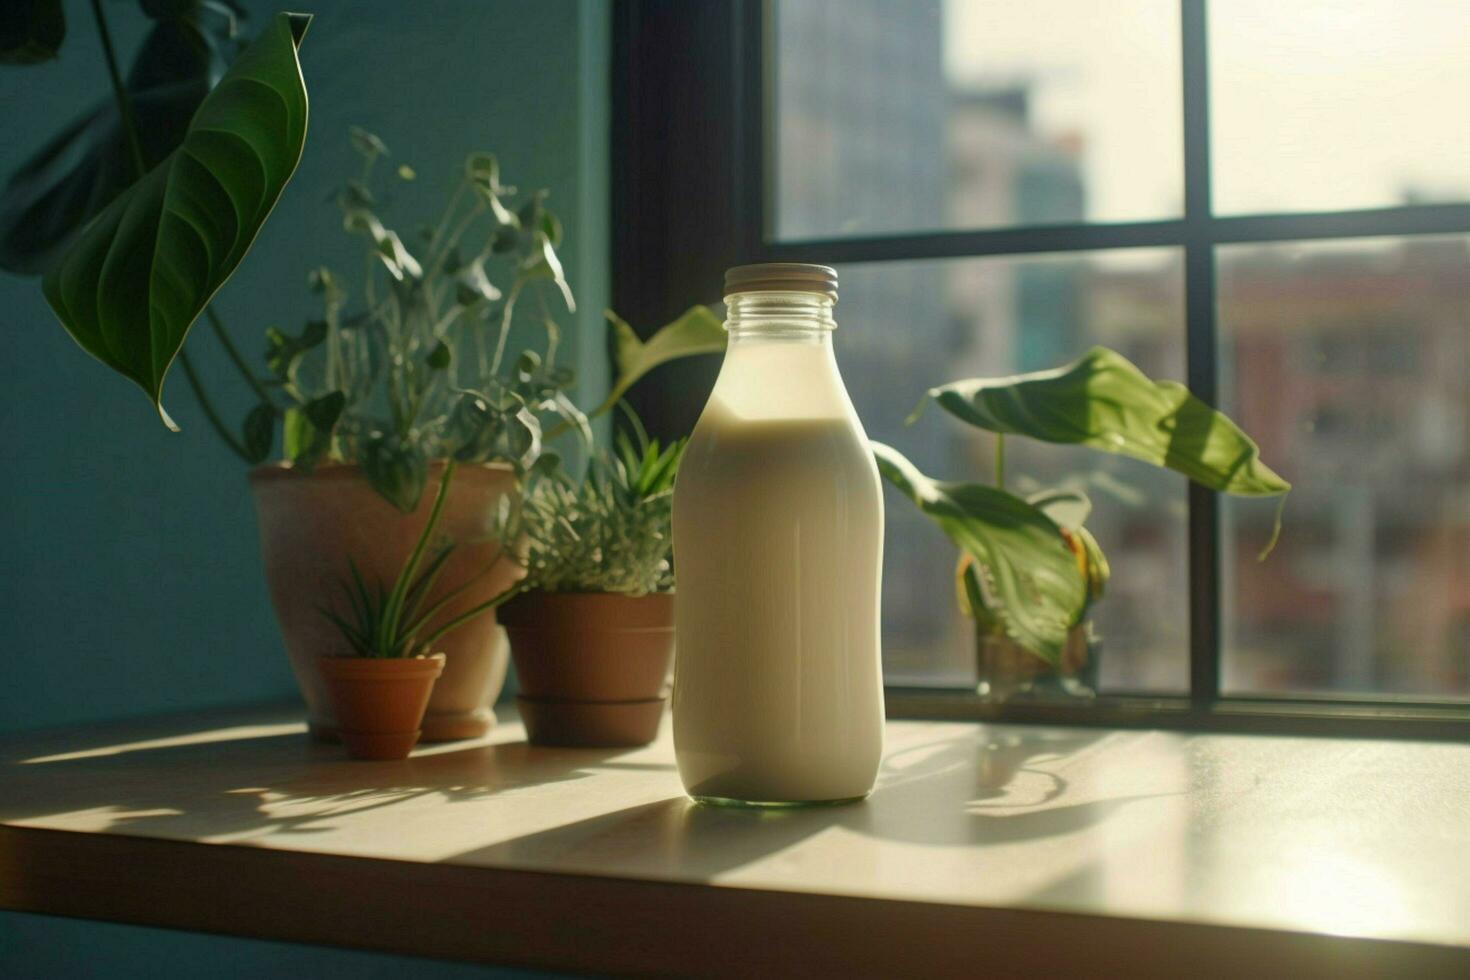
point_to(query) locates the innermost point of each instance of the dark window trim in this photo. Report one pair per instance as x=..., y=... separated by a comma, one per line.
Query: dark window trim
x=691, y=165
x=1419, y=219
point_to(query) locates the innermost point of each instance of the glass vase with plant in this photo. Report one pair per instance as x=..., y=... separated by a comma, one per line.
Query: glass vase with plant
x=1029, y=570
x=592, y=632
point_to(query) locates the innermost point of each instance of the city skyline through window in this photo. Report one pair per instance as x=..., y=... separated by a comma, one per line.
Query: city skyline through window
x=1346, y=358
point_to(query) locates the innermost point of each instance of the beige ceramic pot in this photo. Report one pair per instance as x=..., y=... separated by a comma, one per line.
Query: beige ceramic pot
x=311, y=522
x=592, y=666
x=379, y=704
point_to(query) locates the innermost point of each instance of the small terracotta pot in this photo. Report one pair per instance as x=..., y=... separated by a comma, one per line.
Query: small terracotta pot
x=310, y=523
x=593, y=666
x=380, y=702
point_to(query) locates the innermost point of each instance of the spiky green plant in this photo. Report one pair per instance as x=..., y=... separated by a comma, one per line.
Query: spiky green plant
x=607, y=533
x=392, y=622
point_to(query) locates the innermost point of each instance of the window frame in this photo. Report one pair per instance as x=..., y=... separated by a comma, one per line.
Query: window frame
x=704, y=69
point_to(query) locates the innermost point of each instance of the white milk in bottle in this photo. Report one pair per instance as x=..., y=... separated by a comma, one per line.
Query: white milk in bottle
x=778, y=546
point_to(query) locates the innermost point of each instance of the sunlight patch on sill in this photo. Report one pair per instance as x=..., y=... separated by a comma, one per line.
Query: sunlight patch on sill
x=239, y=732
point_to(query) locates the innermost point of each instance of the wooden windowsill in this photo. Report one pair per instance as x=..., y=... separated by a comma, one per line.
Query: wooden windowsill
x=985, y=849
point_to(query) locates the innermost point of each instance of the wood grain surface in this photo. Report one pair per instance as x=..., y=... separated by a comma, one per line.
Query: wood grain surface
x=985, y=851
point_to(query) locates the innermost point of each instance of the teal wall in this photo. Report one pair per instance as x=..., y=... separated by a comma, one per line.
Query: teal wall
x=129, y=570
x=131, y=579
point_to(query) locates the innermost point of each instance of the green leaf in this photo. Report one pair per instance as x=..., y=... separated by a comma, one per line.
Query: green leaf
x=551, y=224
x=572, y=417
x=482, y=170
x=324, y=282
x=260, y=432
x=1068, y=508
x=325, y=411
x=355, y=195
x=283, y=353
x=139, y=275
x=473, y=427
x=298, y=436
x=471, y=285
x=697, y=331
x=504, y=241
x=396, y=469
x=31, y=31
x=306, y=433
x=543, y=264
x=1027, y=577
x=523, y=440
x=80, y=171
x=366, y=143
x=1103, y=401
x=529, y=214
x=391, y=251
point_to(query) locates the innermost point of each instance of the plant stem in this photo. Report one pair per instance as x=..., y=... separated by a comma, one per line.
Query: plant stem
x=209, y=412
x=471, y=613
x=437, y=251
x=439, y=497
x=1000, y=461
x=120, y=93
x=553, y=333
x=394, y=606
x=505, y=320
x=234, y=352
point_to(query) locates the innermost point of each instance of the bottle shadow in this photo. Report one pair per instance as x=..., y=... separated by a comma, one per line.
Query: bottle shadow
x=985, y=787
x=915, y=801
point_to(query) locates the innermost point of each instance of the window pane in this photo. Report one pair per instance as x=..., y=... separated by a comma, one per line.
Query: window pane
x=908, y=326
x=1321, y=105
x=914, y=115
x=1350, y=362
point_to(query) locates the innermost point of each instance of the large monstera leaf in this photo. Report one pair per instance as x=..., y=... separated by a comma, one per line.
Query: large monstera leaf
x=142, y=271
x=1028, y=580
x=1103, y=401
x=54, y=193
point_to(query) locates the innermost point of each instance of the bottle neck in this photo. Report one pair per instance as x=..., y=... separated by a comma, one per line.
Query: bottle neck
x=779, y=317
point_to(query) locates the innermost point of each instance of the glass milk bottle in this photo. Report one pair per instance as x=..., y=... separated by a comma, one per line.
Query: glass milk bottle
x=778, y=547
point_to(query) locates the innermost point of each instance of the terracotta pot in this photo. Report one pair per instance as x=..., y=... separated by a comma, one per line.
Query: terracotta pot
x=379, y=703
x=311, y=522
x=593, y=667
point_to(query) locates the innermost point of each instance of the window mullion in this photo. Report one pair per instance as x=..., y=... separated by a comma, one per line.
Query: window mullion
x=1201, y=352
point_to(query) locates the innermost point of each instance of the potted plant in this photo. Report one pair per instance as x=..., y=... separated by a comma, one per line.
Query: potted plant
x=380, y=691
x=1029, y=569
x=138, y=213
x=377, y=397
x=411, y=383
x=593, y=631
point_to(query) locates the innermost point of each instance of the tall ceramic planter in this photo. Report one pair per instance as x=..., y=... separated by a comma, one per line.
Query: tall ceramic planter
x=311, y=522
